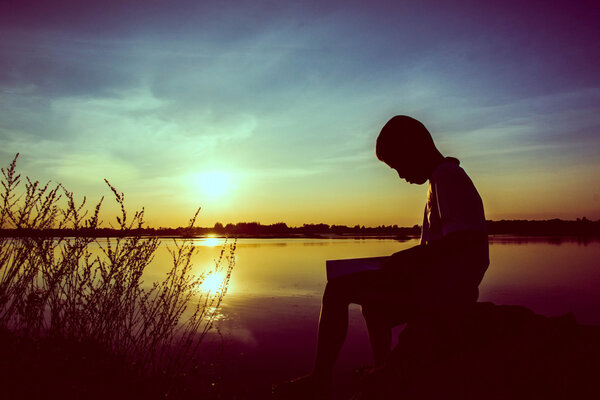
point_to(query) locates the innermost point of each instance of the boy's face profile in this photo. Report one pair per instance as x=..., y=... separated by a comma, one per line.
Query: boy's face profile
x=408, y=169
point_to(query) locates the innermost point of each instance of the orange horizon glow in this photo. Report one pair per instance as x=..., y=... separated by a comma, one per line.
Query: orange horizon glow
x=383, y=200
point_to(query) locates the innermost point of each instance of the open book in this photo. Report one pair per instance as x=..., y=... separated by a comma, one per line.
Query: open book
x=337, y=268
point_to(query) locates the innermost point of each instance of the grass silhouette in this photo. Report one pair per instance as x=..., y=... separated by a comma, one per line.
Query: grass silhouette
x=88, y=295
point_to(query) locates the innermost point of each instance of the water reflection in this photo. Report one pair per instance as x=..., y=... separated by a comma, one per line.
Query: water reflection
x=547, y=276
x=556, y=240
x=214, y=282
x=270, y=313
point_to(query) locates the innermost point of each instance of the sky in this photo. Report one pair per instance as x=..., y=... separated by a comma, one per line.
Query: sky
x=268, y=110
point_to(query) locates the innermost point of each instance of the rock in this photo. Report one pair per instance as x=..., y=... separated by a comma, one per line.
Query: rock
x=490, y=352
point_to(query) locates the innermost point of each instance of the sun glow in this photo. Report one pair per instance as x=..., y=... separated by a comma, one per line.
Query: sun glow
x=214, y=183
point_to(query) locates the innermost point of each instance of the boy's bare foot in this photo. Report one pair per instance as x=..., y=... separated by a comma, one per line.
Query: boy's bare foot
x=308, y=387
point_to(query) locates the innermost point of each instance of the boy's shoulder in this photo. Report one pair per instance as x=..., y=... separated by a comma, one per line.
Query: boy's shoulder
x=449, y=169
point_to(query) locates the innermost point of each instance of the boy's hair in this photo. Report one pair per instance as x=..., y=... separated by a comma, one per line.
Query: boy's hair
x=403, y=136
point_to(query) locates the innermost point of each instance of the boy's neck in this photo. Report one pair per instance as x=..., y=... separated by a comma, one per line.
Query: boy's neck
x=435, y=160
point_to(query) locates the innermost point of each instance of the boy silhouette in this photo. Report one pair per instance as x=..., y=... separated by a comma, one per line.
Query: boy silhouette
x=440, y=275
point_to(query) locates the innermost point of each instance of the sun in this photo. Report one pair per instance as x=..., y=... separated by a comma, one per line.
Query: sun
x=214, y=183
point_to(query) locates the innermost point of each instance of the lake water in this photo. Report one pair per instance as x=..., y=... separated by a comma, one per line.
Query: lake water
x=270, y=314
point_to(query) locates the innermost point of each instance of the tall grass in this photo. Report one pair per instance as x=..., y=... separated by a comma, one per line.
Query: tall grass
x=84, y=289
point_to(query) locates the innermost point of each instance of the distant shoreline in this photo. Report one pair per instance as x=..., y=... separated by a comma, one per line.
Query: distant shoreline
x=581, y=228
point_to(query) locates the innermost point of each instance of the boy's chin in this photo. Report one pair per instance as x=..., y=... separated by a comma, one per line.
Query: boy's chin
x=416, y=181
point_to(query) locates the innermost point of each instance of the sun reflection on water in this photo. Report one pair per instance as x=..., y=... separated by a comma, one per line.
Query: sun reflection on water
x=213, y=287
x=216, y=313
x=211, y=241
x=214, y=282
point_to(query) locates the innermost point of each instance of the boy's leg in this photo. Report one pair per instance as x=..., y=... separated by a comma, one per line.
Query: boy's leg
x=333, y=326
x=384, y=293
x=379, y=291
x=380, y=332
x=369, y=290
x=395, y=306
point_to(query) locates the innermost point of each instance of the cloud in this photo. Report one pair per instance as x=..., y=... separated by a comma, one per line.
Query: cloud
x=79, y=168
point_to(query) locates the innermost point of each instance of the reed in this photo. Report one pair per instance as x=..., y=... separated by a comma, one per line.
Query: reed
x=83, y=289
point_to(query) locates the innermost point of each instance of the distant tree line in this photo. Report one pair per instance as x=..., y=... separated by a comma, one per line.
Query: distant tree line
x=241, y=229
x=281, y=228
x=553, y=227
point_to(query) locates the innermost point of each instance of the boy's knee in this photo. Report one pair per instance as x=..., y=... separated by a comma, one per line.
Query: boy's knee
x=337, y=290
x=373, y=312
x=332, y=290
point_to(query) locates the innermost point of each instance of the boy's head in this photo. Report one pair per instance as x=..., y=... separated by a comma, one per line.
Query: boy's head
x=406, y=146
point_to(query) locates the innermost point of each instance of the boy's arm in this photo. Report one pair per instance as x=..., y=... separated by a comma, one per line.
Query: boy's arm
x=405, y=257
x=456, y=241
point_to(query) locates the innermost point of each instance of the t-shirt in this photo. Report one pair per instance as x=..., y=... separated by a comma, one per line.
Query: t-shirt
x=453, y=203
